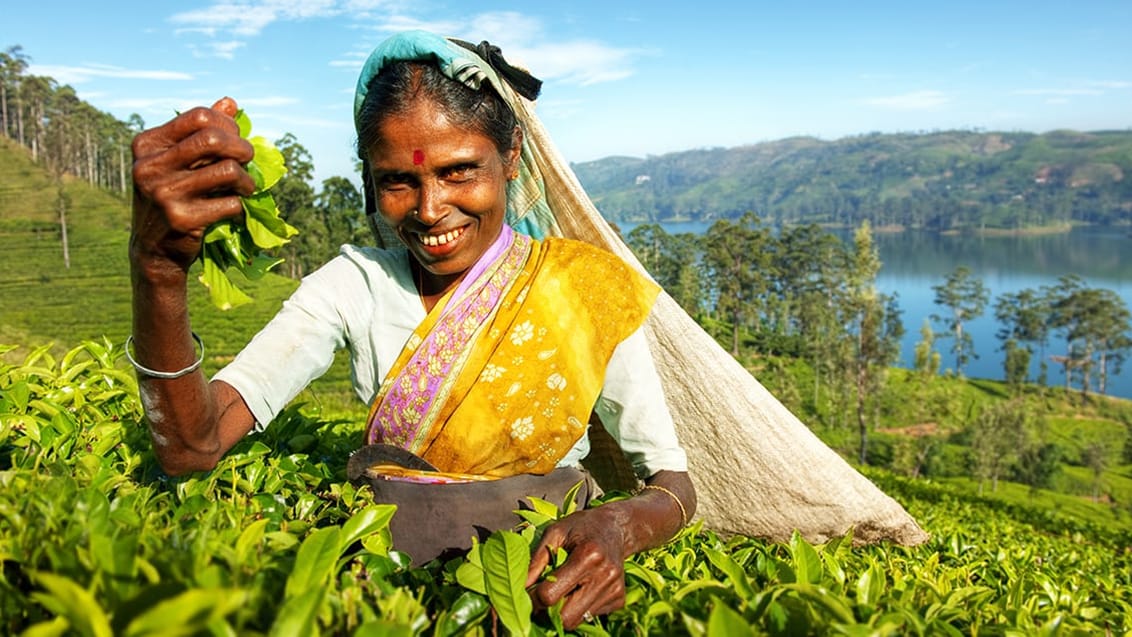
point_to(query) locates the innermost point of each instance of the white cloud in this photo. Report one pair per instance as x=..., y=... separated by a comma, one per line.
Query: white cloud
x=224, y=50
x=915, y=101
x=1113, y=84
x=264, y=102
x=83, y=73
x=522, y=37
x=249, y=18
x=525, y=43
x=1059, y=92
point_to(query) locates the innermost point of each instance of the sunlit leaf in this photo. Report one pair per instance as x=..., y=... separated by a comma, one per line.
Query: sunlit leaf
x=506, y=558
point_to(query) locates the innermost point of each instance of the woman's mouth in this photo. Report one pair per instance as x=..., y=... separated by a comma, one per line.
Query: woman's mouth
x=437, y=240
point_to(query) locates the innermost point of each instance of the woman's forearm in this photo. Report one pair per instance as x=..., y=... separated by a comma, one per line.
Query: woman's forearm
x=654, y=515
x=179, y=411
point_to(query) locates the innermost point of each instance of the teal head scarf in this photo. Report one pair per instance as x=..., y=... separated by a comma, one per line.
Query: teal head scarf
x=527, y=209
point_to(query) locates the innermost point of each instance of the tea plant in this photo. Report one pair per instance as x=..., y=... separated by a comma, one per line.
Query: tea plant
x=95, y=540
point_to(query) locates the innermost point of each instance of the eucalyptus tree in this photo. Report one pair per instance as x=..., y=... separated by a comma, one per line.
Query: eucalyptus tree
x=294, y=196
x=965, y=297
x=13, y=63
x=340, y=208
x=1024, y=317
x=810, y=265
x=874, y=328
x=998, y=432
x=672, y=260
x=1095, y=323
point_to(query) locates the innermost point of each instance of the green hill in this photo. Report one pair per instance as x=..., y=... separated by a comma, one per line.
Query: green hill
x=46, y=302
x=942, y=181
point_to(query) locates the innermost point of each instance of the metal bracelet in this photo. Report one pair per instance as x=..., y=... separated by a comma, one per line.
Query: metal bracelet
x=683, y=511
x=153, y=373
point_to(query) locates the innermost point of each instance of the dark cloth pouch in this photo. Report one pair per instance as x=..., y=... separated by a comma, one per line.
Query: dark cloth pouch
x=439, y=520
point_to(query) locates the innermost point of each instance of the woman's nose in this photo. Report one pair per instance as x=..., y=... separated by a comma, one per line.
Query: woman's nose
x=431, y=208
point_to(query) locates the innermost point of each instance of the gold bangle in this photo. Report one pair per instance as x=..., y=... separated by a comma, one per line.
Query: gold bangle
x=683, y=511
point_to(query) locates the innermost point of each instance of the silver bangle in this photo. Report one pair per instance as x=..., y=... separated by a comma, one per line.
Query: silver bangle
x=153, y=373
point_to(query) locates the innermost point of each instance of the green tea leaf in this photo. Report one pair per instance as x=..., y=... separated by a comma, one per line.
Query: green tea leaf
x=230, y=244
x=267, y=228
x=468, y=609
x=268, y=163
x=725, y=622
x=370, y=520
x=807, y=562
x=315, y=561
x=506, y=558
x=189, y=613
x=72, y=602
x=299, y=615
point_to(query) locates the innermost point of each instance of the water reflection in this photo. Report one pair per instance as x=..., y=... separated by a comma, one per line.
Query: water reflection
x=915, y=261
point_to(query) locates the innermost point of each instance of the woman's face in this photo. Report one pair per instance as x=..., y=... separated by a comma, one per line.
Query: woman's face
x=441, y=187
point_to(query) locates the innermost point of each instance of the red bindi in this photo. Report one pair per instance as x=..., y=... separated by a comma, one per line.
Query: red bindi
x=418, y=157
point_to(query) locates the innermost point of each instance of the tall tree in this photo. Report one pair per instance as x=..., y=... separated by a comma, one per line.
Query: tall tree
x=874, y=326
x=810, y=265
x=1024, y=318
x=997, y=433
x=738, y=257
x=672, y=260
x=340, y=209
x=295, y=198
x=1096, y=325
x=13, y=63
x=965, y=296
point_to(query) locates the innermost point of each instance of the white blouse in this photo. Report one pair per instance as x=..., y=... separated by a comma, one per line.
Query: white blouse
x=365, y=300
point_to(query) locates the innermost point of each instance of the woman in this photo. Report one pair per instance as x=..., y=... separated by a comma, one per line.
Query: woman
x=492, y=348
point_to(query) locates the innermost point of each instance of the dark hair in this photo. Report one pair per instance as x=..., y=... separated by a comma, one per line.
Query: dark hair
x=394, y=89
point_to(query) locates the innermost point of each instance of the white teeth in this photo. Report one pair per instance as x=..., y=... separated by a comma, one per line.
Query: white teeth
x=433, y=241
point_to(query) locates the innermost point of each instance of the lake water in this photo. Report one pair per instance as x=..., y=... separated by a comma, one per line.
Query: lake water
x=913, y=262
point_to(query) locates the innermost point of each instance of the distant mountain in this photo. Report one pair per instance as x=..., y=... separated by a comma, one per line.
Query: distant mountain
x=951, y=180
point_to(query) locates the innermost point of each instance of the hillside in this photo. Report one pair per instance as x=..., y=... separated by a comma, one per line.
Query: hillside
x=45, y=302
x=938, y=181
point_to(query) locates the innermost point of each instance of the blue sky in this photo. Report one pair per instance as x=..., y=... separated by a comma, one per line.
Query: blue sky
x=621, y=78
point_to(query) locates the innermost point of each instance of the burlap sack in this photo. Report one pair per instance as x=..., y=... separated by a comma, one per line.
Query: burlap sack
x=758, y=470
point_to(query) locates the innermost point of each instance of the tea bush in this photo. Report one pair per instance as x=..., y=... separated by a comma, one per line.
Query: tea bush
x=95, y=540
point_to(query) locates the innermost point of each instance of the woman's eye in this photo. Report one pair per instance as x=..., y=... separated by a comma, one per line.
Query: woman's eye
x=462, y=172
x=394, y=182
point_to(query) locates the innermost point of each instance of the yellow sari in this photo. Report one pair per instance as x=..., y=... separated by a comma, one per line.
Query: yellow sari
x=502, y=380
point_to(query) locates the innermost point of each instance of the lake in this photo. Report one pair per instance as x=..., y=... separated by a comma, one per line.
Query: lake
x=915, y=261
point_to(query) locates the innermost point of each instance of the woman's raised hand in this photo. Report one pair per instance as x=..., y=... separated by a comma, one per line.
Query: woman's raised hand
x=188, y=174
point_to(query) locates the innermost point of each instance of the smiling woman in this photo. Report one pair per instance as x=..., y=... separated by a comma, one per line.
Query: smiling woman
x=484, y=352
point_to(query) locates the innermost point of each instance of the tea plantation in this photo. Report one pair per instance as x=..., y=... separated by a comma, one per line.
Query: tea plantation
x=94, y=540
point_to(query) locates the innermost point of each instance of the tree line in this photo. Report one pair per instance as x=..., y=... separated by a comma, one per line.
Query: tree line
x=61, y=131
x=68, y=136
x=803, y=293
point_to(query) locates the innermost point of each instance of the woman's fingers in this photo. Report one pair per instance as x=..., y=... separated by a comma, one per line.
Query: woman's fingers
x=188, y=174
x=226, y=105
x=593, y=578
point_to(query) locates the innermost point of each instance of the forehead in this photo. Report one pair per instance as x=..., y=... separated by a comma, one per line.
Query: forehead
x=425, y=134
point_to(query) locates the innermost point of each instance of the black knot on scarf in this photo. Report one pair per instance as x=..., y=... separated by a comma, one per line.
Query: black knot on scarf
x=524, y=83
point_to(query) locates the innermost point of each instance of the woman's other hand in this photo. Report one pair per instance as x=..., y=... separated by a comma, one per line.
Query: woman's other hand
x=188, y=174
x=599, y=540
x=592, y=581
